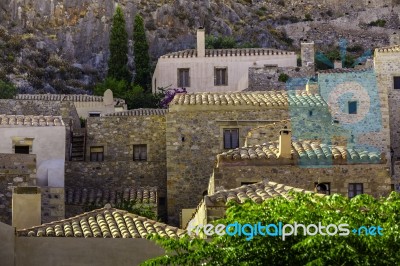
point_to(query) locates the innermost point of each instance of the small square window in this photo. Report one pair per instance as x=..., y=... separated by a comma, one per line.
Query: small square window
x=323, y=188
x=140, y=152
x=220, y=77
x=231, y=138
x=355, y=189
x=396, y=83
x=183, y=77
x=352, y=107
x=22, y=149
x=97, y=154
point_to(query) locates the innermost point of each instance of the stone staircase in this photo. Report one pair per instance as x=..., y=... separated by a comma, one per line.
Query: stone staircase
x=78, y=144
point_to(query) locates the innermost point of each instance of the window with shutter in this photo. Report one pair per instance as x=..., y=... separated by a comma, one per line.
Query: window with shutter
x=183, y=77
x=231, y=138
x=97, y=154
x=220, y=77
x=140, y=152
x=355, y=189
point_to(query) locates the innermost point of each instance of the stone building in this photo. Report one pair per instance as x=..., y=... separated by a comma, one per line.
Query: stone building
x=303, y=164
x=201, y=125
x=215, y=70
x=44, y=138
x=123, y=150
x=358, y=105
x=214, y=206
x=86, y=105
x=387, y=69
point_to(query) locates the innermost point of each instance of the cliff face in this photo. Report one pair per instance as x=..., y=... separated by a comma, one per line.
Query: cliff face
x=77, y=31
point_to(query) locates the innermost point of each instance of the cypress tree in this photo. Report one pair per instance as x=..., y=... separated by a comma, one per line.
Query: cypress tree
x=117, y=64
x=141, y=52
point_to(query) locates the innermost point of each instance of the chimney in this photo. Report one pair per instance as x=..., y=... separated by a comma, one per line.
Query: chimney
x=337, y=64
x=26, y=207
x=307, y=54
x=201, y=42
x=285, y=143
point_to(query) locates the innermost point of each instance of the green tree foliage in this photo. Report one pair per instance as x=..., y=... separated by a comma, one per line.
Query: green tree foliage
x=117, y=64
x=283, y=77
x=130, y=206
x=353, y=249
x=7, y=90
x=134, y=95
x=226, y=42
x=333, y=55
x=141, y=51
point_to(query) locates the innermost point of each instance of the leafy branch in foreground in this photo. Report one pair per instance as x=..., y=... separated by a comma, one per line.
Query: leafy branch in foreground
x=352, y=249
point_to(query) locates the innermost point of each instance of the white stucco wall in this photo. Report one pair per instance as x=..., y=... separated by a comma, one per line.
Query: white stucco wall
x=202, y=70
x=49, y=147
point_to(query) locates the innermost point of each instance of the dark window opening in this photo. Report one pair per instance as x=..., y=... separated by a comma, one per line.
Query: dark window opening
x=140, y=152
x=247, y=183
x=161, y=201
x=353, y=107
x=396, y=83
x=97, y=114
x=355, y=189
x=220, y=77
x=310, y=113
x=231, y=138
x=323, y=188
x=97, y=154
x=22, y=149
x=183, y=77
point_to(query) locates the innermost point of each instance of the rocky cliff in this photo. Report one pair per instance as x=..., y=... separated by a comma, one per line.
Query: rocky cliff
x=62, y=45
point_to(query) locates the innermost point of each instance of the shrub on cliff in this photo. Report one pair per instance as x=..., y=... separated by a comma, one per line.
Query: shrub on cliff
x=7, y=90
x=141, y=51
x=117, y=64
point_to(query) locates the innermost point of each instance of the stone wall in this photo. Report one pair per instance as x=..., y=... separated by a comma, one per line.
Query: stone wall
x=266, y=78
x=53, y=204
x=16, y=170
x=118, y=134
x=369, y=127
x=375, y=177
x=194, y=138
x=386, y=67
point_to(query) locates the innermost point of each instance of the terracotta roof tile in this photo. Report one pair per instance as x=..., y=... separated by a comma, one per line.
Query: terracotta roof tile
x=258, y=99
x=65, y=97
x=138, y=112
x=84, y=196
x=304, y=150
x=343, y=70
x=228, y=52
x=30, y=120
x=104, y=223
x=257, y=192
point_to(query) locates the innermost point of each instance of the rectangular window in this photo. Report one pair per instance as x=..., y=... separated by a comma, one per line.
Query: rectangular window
x=94, y=114
x=355, y=189
x=231, y=138
x=22, y=149
x=323, y=188
x=220, y=77
x=183, y=77
x=396, y=83
x=97, y=154
x=352, y=107
x=140, y=152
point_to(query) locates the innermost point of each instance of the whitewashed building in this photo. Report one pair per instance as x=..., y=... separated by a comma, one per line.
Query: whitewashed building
x=215, y=70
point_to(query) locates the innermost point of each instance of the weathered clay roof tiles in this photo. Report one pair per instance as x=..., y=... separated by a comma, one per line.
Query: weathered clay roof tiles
x=271, y=98
x=304, y=150
x=82, y=196
x=30, y=120
x=103, y=223
x=227, y=52
x=139, y=112
x=257, y=192
x=64, y=97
